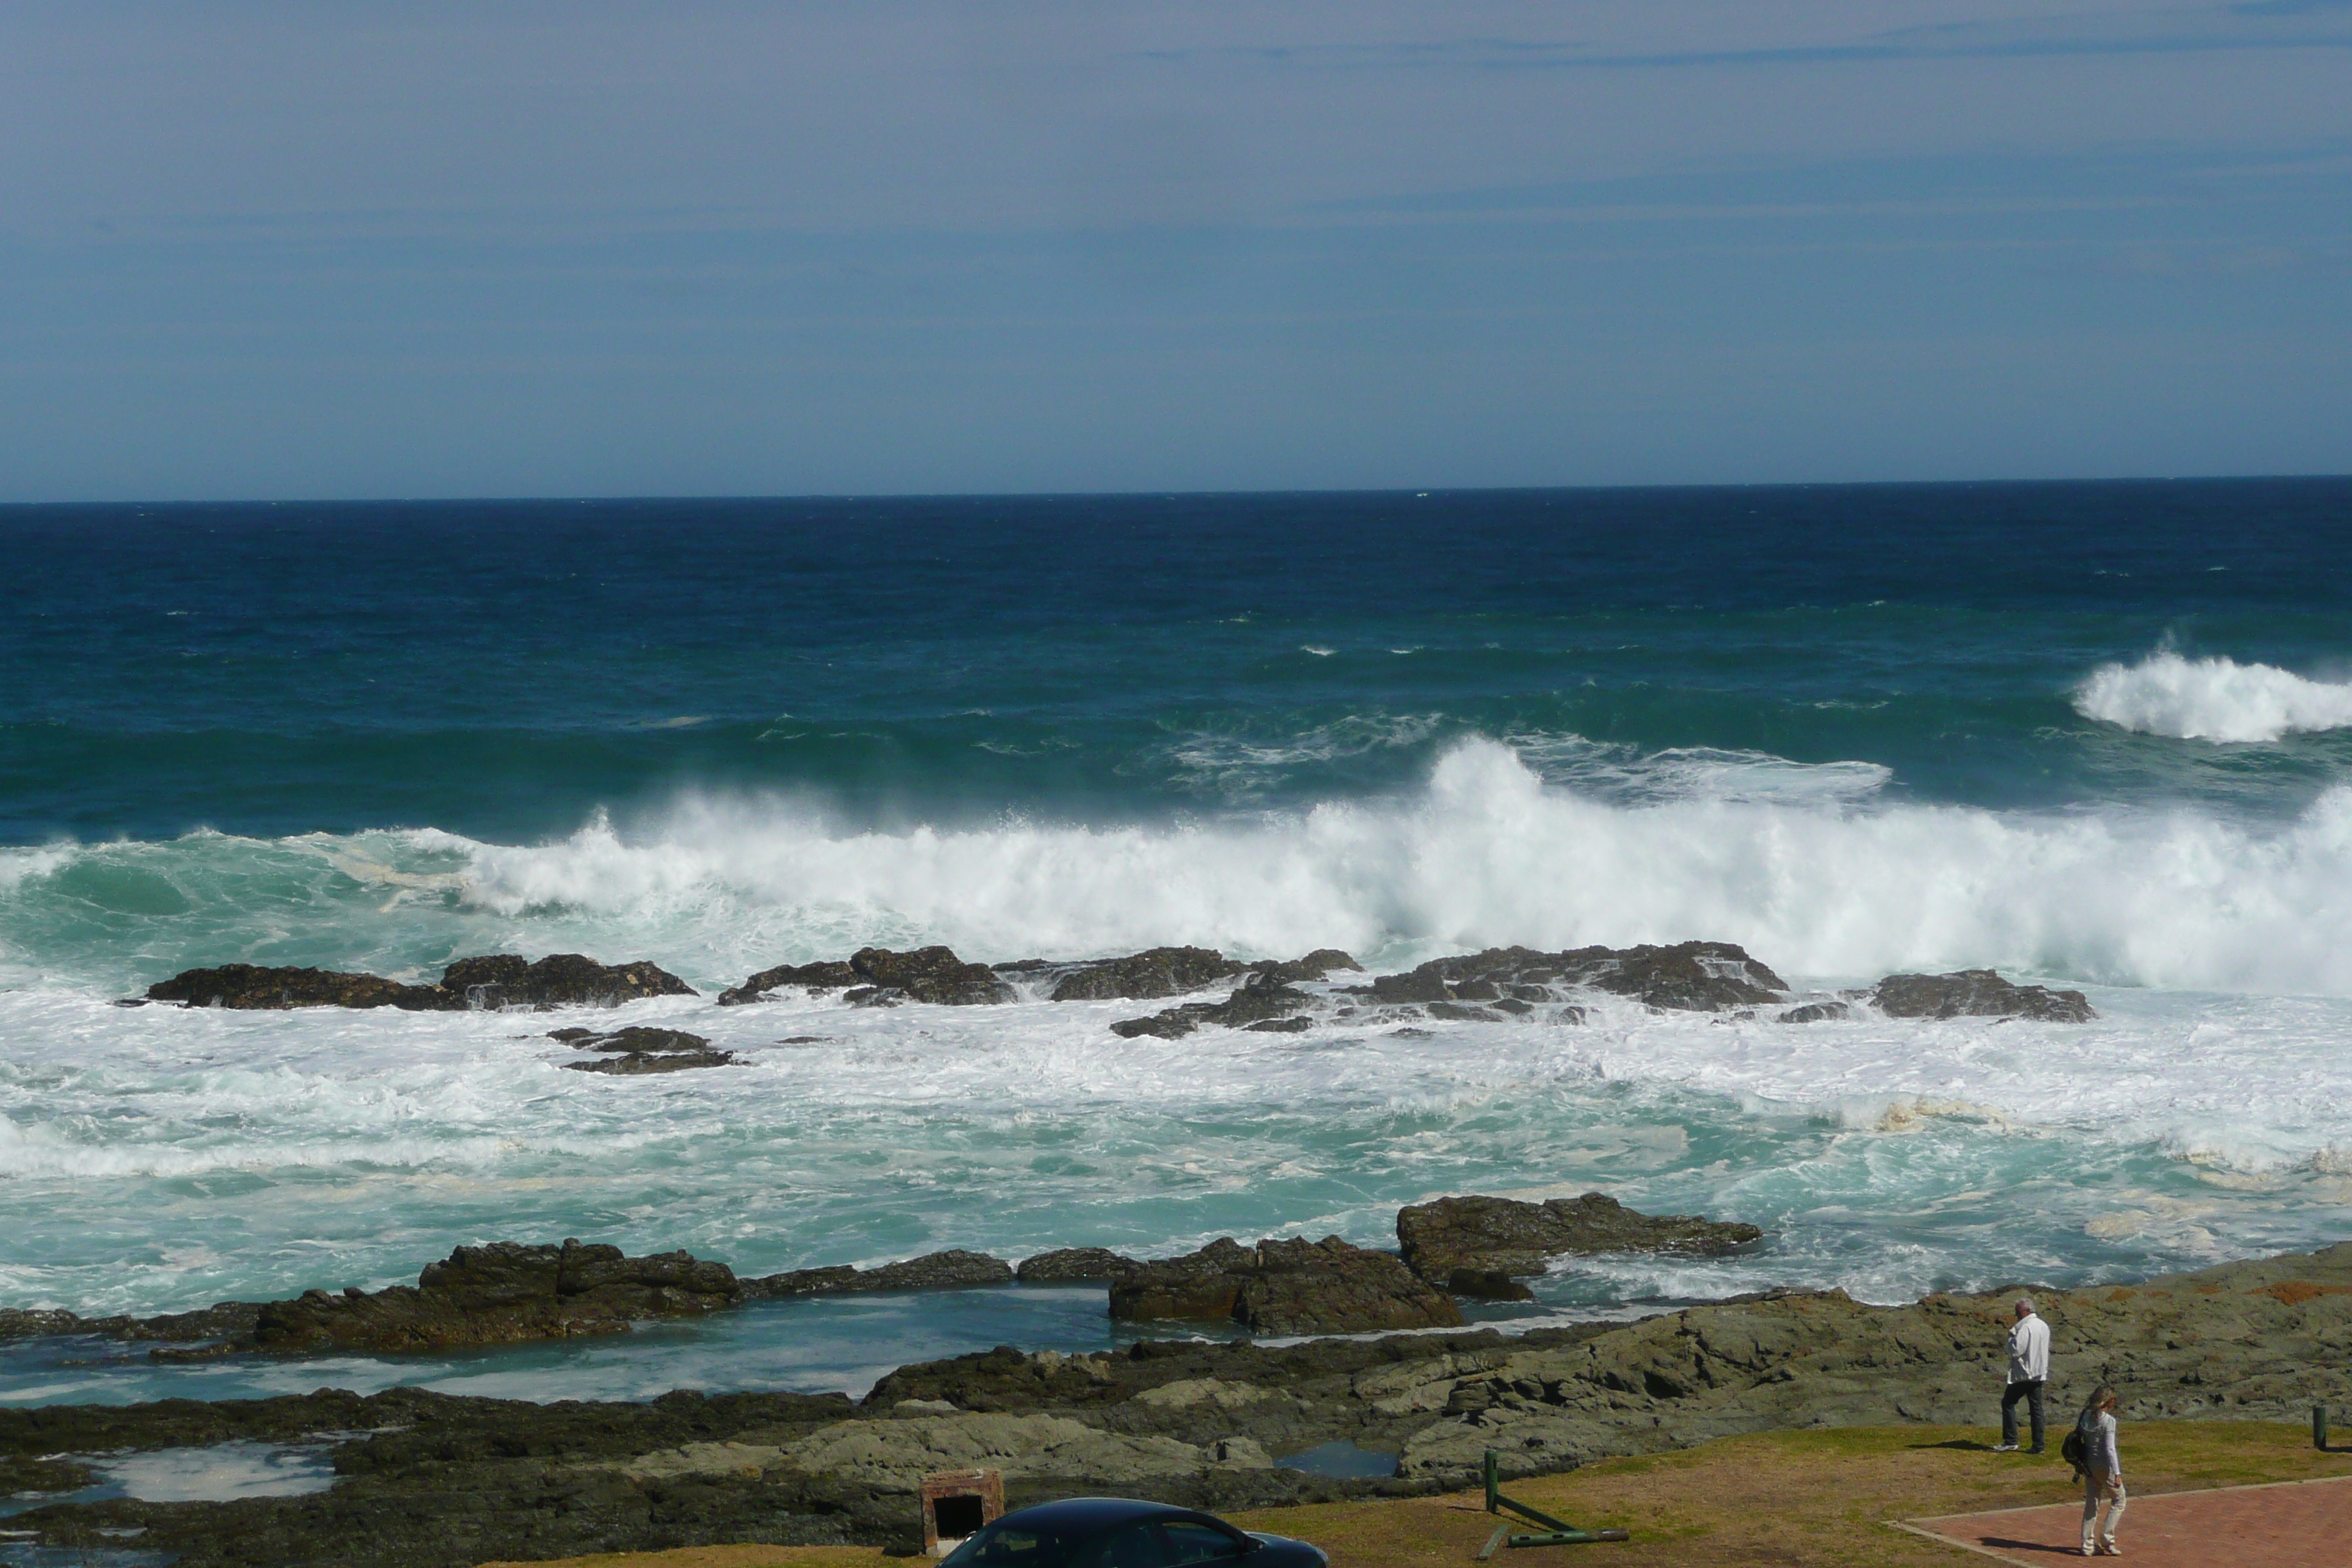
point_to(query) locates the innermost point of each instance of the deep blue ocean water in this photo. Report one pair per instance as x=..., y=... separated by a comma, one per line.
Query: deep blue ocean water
x=2093, y=734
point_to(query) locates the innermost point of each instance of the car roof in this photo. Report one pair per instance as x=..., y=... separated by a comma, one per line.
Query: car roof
x=1091, y=1513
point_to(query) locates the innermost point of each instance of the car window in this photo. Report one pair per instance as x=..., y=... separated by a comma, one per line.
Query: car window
x=1198, y=1544
x=1003, y=1546
x=1136, y=1546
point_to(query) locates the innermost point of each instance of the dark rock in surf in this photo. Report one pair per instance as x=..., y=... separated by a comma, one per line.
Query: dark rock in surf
x=636, y=1038
x=954, y=1269
x=1075, y=1264
x=1261, y=998
x=558, y=979
x=1505, y=1236
x=1487, y=1284
x=1323, y=960
x=1466, y=1013
x=878, y=976
x=638, y=1063
x=1977, y=993
x=1691, y=976
x=562, y=979
x=256, y=986
x=831, y=975
x=221, y=1321
x=1279, y=1027
x=933, y=974
x=1173, y=1024
x=1284, y=1287
x=1143, y=976
x=502, y=1293
x=1816, y=1013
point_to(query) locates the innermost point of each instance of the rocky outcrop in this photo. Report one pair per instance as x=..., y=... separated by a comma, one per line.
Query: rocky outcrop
x=830, y=975
x=257, y=986
x=558, y=979
x=501, y=1293
x=1075, y=1264
x=432, y=1480
x=1474, y=1239
x=503, y=980
x=222, y=1320
x=1293, y=1286
x=1691, y=976
x=637, y=1050
x=1322, y=962
x=1264, y=1002
x=1142, y=976
x=879, y=977
x=1977, y=993
x=952, y=1270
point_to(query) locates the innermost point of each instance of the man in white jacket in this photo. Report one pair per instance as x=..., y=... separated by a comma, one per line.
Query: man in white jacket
x=2029, y=1369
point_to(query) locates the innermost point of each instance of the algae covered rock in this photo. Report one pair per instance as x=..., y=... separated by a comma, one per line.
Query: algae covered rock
x=1474, y=1237
x=1284, y=1287
x=501, y=1293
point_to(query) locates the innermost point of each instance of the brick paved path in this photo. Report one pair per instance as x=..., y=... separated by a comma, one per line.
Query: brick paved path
x=2297, y=1524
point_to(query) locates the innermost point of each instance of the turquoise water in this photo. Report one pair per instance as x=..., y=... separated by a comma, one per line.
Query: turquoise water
x=2096, y=735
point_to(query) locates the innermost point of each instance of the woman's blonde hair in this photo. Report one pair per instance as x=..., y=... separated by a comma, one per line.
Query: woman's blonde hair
x=2101, y=1397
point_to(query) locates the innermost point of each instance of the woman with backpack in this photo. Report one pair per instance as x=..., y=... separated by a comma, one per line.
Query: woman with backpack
x=2092, y=1448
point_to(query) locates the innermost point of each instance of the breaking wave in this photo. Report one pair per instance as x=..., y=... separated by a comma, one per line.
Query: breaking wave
x=2211, y=698
x=1489, y=854
x=1813, y=872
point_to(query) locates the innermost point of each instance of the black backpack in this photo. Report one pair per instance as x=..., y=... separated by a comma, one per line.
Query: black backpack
x=2073, y=1451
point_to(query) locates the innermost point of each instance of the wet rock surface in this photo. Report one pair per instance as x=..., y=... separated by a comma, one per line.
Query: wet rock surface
x=1977, y=993
x=952, y=1270
x=1691, y=976
x=222, y=1320
x=1474, y=1238
x=259, y=987
x=1284, y=1287
x=501, y=1293
x=637, y=1050
x=1142, y=976
x=499, y=980
x=1076, y=1264
x=1262, y=999
x=878, y=976
x=438, y=1481
x=558, y=979
x=831, y=975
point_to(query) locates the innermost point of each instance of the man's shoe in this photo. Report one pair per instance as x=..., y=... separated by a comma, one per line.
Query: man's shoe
x=2004, y=1447
x=2037, y=1448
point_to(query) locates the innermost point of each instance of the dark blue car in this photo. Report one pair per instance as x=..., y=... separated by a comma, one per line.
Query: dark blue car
x=1119, y=1532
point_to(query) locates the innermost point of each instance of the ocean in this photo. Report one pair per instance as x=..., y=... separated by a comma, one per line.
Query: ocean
x=2095, y=735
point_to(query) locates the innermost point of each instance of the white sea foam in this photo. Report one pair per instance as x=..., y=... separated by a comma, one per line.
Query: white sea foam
x=1489, y=855
x=2214, y=699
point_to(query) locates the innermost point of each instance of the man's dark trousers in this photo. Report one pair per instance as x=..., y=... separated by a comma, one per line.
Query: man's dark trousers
x=2031, y=1394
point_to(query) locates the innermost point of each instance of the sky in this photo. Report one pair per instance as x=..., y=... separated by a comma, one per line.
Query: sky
x=335, y=249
